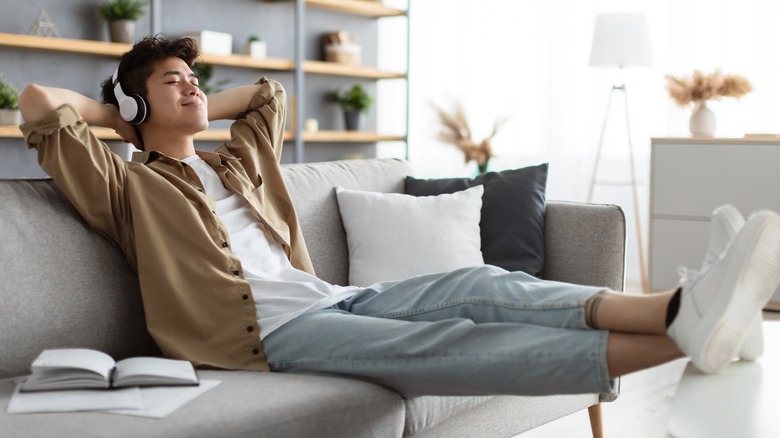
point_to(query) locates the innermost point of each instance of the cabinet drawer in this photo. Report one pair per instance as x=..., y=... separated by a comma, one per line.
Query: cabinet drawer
x=693, y=179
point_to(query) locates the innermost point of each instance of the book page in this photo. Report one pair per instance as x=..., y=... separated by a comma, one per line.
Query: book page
x=142, y=371
x=79, y=358
x=70, y=368
x=74, y=400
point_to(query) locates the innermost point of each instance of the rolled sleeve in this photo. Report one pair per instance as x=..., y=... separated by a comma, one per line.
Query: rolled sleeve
x=88, y=173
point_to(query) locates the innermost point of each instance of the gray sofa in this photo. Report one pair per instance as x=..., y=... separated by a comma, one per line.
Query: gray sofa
x=62, y=285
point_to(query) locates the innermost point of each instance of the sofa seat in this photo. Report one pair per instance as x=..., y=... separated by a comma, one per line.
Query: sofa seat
x=499, y=416
x=244, y=404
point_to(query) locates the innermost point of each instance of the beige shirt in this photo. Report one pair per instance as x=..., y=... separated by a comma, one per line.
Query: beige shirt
x=198, y=305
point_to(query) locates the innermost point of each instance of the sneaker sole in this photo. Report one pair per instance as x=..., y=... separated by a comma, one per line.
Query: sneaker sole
x=753, y=346
x=751, y=282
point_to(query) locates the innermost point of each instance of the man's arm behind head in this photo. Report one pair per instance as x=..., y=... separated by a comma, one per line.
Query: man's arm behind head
x=36, y=101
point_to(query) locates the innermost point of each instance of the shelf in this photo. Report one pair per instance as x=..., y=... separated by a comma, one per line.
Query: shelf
x=224, y=134
x=358, y=71
x=87, y=47
x=101, y=48
x=366, y=8
x=245, y=61
x=349, y=137
x=110, y=134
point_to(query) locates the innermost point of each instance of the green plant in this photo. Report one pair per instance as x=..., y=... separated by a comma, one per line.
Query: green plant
x=9, y=95
x=204, y=72
x=253, y=38
x=112, y=10
x=354, y=99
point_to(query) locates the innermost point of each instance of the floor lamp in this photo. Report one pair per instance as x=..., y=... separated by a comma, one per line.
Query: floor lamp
x=620, y=40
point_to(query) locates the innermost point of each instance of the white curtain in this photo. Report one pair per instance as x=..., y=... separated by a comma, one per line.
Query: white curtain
x=528, y=60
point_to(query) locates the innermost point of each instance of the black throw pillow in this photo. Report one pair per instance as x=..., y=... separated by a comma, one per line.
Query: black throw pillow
x=512, y=223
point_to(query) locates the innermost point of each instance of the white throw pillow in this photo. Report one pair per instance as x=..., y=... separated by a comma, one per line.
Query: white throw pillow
x=392, y=236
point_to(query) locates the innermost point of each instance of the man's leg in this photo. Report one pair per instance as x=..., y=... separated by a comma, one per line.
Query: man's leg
x=472, y=331
x=454, y=356
x=637, y=325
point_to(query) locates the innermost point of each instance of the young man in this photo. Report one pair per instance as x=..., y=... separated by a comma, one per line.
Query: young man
x=227, y=282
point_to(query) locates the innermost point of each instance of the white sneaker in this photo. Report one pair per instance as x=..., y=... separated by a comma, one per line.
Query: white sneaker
x=725, y=223
x=717, y=307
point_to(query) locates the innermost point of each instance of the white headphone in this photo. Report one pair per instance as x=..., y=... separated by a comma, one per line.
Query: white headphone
x=132, y=108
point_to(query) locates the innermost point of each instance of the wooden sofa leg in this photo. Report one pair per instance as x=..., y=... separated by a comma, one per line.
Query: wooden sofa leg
x=594, y=412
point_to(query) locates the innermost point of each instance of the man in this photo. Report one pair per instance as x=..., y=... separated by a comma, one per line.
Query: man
x=227, y=282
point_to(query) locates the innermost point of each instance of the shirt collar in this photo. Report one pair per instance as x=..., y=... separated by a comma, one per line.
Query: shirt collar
x=212, y=158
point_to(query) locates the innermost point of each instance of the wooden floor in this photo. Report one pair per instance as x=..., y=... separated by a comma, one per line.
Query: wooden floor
x=641, y=411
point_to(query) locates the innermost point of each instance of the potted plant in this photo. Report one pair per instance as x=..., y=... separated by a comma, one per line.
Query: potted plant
x=9, y=103
x=121, y=16
x=255, y=47
x=205, y=72
x=353, y=102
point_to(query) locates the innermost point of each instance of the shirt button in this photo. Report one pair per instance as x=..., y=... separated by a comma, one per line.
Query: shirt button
x=256, y=351
x=250, y=329
x=245, y=297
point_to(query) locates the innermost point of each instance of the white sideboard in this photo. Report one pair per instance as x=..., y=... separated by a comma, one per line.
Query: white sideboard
x=689, y=178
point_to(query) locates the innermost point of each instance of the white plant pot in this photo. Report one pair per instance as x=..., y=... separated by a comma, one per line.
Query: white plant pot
x=703, y=121
x=10, y=117
x=122, y=31
x=256, y=49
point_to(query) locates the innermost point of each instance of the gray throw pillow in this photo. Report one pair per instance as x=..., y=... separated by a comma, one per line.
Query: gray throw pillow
x=512, y=222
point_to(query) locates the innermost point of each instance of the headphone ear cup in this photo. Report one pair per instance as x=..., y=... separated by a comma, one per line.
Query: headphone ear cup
x=142, y=112
x=133, y=109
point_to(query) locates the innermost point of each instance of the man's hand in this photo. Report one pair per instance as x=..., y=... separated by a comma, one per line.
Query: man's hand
x=124, y=129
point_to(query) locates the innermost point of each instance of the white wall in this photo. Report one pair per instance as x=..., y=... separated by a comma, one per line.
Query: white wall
x=528, y=60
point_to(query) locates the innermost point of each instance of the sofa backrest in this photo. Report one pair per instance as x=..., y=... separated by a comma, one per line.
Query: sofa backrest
x=312, y=190
x=62, y=285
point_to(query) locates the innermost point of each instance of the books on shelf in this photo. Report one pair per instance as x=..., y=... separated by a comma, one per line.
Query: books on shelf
x=79, y=368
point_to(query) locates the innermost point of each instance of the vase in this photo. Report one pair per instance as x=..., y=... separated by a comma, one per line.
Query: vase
x=121, y=31
x=352, y=120
x=10, y=117
x=703, y=121
x=256, y=49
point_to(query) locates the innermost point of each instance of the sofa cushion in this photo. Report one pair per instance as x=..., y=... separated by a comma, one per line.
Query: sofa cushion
x=512, y=214
x=391, y=236
x=244, y=404
x=311, y=188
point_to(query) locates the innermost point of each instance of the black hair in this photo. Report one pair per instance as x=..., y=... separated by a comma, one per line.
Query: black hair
x=136, y=66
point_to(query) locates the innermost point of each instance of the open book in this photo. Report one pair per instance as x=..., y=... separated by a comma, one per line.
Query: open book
x=78, y=368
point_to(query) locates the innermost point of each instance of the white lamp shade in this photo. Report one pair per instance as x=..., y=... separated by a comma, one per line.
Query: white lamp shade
x=621, y=39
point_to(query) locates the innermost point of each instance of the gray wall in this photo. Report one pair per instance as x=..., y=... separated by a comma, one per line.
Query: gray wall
x=273, y=21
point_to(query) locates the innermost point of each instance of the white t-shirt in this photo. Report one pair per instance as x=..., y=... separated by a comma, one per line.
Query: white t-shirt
x=281, y=291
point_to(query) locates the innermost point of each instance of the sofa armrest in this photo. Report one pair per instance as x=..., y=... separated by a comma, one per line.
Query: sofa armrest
x=585, y=244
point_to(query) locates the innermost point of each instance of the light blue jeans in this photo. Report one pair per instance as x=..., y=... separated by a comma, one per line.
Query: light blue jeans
x=473, y=331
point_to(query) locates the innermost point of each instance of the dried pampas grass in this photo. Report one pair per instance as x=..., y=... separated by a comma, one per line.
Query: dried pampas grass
x=455, y=130
x=702, y=87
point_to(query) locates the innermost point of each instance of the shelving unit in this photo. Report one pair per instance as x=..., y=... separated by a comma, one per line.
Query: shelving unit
x=298, y=65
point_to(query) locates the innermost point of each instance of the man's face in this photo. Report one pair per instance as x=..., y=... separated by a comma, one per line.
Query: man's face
x=175, y=101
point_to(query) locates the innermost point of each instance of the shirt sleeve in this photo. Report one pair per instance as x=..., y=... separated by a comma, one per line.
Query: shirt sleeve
x=86, y=171
x=258, y=133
